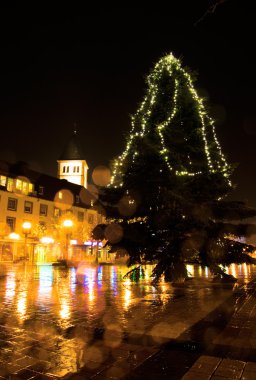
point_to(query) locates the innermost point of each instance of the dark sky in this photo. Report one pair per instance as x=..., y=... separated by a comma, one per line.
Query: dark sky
x=87, y=65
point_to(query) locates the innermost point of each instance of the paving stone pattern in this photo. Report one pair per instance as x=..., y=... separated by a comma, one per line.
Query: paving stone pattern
x=44, y=339
x=239, y=341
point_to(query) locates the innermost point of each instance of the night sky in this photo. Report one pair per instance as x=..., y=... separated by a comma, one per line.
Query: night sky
x=87, y=65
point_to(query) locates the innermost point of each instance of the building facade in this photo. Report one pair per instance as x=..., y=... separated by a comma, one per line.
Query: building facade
x=43, y=218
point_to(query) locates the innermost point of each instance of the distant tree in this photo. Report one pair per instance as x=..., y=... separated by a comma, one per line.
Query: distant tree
x=168, y=187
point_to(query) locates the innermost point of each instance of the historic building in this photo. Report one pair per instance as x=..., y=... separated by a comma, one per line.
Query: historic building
x=43, y=218
x=71, y=164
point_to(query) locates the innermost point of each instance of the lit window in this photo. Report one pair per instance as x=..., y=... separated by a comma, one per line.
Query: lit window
x=43, y=209
x=2, y=180
x=10, y=184
x=28, y=207
x=25, y=187
x=30, y=187
x=60, y=195
x=19, y=184
x=11, y=222
x=12, y=204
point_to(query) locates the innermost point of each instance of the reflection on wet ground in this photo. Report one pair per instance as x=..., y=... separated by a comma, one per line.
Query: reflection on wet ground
x=51, y=318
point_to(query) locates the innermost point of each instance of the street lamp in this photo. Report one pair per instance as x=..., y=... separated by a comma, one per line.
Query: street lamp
x=26, y=229
x=67, y=224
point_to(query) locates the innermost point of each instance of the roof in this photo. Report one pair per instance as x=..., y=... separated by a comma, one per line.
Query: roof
x=72, y=150
x=51, y=185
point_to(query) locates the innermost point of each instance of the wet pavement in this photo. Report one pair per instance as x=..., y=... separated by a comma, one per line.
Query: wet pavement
x=90, y=323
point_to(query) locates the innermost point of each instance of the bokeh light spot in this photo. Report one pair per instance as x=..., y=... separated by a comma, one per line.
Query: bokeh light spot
x=63, y=199
x=93, y=357
x=101, y=175
x=89, y=196
x=114, y=233
x=113, y=335
x=127, y=206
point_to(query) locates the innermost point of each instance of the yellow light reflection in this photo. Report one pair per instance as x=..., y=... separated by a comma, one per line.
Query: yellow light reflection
x=10, y=286
x=233, y=270
x=22, y=305
x=190, y=269
x=91, y=276
x=148, y=271
x=127, y=298
x=164, y=288
x=64, y=308
x=245, y=270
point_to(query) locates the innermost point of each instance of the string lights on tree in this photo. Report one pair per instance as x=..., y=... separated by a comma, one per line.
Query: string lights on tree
x=168, y=187
x=202, y=131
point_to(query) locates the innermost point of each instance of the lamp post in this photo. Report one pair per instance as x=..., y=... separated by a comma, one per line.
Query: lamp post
x=26, y=229
x=67, y=224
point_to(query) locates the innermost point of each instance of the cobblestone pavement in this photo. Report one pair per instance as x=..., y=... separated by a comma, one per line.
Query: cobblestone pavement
x=226, y=351
x=91, y=325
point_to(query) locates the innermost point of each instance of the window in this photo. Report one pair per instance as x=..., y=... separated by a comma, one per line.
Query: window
x=67, y=169
x=30, y=187
x=11, y=222
x=64, y=169
x=80, y=216
x=3, y=180
x=77, y=169
x=43, y=209
x=19, y=184
x=77, y=199
x=74, y=169
x=60, y=195
x=10, y=184
x=12, y=204
x=57, y=212
x=90, y=218
x=25, y=187
x=28, y=207
x=40, y=190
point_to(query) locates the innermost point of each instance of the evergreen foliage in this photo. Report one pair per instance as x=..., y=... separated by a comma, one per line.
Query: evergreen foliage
x=168, y=186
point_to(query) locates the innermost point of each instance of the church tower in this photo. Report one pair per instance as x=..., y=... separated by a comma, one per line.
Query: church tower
x=71, y=164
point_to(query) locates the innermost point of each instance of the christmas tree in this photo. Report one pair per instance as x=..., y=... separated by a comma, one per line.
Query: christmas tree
x=168, y=187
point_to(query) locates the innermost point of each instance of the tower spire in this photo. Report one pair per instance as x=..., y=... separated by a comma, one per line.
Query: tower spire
x=71, y=163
